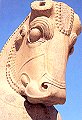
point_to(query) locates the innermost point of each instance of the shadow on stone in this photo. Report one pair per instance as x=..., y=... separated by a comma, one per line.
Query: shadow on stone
x=40, y=111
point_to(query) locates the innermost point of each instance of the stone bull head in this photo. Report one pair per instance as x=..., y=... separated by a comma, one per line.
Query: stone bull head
x=39, y=51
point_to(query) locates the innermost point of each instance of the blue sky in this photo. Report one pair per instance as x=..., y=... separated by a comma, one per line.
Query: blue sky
x=12, y=13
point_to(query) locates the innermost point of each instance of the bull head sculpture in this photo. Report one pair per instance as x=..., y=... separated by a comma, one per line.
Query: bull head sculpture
x=39, y=50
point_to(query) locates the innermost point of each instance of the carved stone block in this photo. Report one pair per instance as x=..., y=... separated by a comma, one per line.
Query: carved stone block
x=33, y=61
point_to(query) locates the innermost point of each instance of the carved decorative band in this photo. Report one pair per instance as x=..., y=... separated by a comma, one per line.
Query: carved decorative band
x=10, y=71
x=64, y=17
x=61, y=85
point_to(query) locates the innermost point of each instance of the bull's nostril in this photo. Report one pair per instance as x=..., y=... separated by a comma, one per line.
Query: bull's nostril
x=44, y=85
x=24, y=79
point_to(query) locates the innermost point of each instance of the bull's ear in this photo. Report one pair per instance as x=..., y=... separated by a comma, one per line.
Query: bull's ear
x=76, y=30
x=72, y=41
x=73, y=38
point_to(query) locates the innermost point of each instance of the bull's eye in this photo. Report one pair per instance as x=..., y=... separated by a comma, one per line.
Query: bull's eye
x=35, y=34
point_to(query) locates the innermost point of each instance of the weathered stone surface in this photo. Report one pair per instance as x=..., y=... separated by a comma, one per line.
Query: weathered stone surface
x=15, y=107
x=33, y=62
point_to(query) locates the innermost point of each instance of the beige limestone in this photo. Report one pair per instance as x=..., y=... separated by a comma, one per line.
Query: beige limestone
x=33, y=62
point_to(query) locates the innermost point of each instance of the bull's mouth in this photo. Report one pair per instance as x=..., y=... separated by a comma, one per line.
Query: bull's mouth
x=47, y=100
x=49, y=91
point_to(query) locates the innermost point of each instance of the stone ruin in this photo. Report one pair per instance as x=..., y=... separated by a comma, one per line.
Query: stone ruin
x=33, y=62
